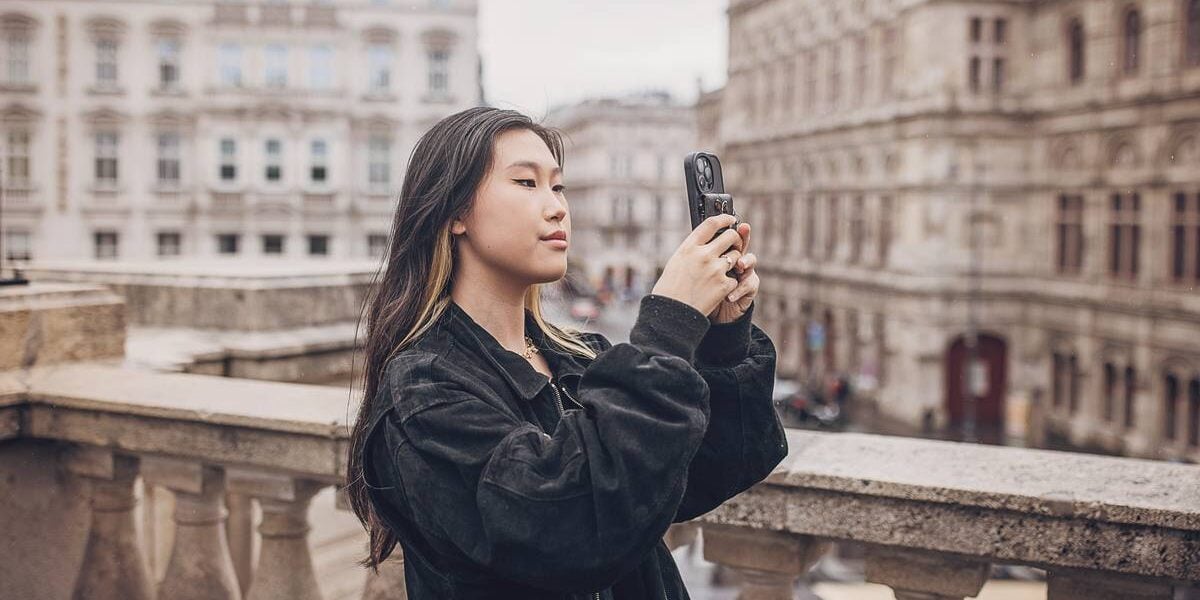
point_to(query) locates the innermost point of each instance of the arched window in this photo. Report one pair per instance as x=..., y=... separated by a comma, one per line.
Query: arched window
x=1075, y=48
x=1192, y=33
x=1131, y=57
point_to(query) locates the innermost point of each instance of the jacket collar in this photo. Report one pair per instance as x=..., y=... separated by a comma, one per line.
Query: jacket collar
x=526, y=381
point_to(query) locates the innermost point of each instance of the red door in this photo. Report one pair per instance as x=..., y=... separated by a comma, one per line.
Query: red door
x=992, y=382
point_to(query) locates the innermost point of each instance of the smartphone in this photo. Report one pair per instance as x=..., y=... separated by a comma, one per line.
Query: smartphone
x=706, y=191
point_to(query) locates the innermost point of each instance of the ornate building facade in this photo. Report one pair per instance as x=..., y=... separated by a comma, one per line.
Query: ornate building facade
x=624, y=172
x=975, y=207
x=157, y=129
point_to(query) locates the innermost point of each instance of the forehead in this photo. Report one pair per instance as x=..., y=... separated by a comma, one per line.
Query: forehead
x=523, y=145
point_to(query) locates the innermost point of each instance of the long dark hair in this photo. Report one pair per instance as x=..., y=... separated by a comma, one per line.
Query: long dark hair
x=444, y=171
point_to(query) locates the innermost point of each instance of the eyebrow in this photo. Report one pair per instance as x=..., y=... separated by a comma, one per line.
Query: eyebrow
x=534, y=166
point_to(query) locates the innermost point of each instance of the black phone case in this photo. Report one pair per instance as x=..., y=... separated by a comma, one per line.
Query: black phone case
x=695, y=194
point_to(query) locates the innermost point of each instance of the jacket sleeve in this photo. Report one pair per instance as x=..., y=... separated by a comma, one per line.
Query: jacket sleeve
x=745, y=439
x=574, y=510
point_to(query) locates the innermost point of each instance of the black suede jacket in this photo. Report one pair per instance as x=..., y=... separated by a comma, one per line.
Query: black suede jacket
x=500, y=483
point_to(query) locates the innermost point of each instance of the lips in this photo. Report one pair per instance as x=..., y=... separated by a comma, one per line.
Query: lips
x=557, y=235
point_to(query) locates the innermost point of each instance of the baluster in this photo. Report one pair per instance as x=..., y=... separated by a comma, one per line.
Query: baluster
x=113, y=565
x=200, y=566
x=918, y=575
x=767, y=561
x=285, y=566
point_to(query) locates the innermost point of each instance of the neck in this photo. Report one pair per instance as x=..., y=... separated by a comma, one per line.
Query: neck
x=494, y=302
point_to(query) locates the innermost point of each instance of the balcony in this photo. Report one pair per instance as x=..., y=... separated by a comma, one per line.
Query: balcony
x=231, y=13
x=275, y=15
x=320, y=15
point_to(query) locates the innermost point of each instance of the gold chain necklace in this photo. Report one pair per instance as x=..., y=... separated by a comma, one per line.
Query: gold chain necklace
x=530, y=349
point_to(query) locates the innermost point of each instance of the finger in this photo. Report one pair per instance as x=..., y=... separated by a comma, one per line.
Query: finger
x=709, y=227
x=728, y=239
x=747, y=262
x=748, y=285
x=733, y=255
x=745, y=236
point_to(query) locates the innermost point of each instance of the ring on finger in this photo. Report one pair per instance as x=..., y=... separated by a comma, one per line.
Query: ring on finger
x=729, y=260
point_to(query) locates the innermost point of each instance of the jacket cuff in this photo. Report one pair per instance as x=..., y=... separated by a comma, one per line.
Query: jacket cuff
x=726, y=343
x=668, y=325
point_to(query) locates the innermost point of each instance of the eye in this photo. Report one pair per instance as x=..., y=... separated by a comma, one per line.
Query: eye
x=524, y=181
x=560, y=188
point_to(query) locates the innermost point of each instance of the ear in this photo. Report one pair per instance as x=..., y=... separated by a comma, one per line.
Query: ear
x=457, y=227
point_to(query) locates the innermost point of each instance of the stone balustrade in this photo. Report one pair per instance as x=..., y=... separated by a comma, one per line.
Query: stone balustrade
x=934, y=516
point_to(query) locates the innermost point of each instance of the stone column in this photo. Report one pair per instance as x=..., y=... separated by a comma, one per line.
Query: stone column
x=285, y=566
x=200, y=566
x=920, y=575
x=1064, y=584
x=113, y=566
x=767, y=561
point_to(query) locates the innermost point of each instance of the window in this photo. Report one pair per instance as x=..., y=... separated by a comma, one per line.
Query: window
x=887, y=73
x=1193, y=438
x=377, y=244
x=835, y=75
x=439, y=70
x=831, y=229
x=1191, y=49
x=275, y=66
x=18, y=245
x=272, y=243
x=106, y=61
x=227, y=243
x=810, y=227
x=1110, y=390
x=976, y=29
x=1130, y=396
x=1185, y=239
x=1069, y=231
x=1065, y=382
x=379, y=172
x=318, y=171
x=229, y=61
x=974, y=73
x=997, y=74
x=1001, y=31
x=885, y=229
x=17, y=159
x=228, y=159
x=105, y=244
x=17, y=47
x=1132, y=40
x=811, y=74
x=856, y=229
x=862, y=67
x=169, y=243
x=273, y=164
x=168, y=159
x=318, y=245
x=1124, y=235
x=320, y=67
x=1075, y=50
x=1171, y=405
x=107, y=143
x=379, y=60
x=168, y=63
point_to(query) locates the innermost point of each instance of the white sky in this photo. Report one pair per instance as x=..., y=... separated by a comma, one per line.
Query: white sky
x=538, y=54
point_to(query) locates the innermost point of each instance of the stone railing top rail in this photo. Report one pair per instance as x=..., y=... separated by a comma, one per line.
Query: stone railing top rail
x=208, y=273
x=1045, y=482
x=279, y=426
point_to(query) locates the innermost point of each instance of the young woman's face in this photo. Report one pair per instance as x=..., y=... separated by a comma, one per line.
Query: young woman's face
x=519, y=202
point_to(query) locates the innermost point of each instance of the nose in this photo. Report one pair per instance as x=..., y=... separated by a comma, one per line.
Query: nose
x=556, y=208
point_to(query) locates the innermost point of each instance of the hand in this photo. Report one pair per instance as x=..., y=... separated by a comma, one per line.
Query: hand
x=738, y=301
x=695, y=274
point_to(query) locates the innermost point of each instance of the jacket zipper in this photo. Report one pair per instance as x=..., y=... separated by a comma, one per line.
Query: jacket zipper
x=558, y=403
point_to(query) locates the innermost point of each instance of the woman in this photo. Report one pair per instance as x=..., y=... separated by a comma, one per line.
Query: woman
x=511, y=458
